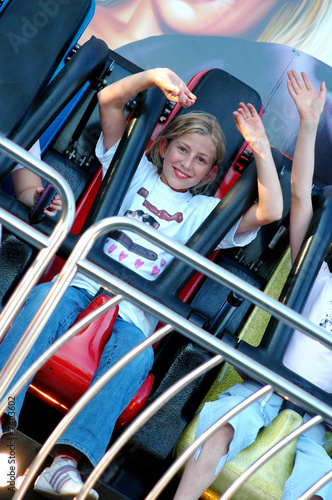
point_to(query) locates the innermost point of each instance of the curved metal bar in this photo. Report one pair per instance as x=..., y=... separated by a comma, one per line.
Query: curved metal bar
x=181, y=460
x=21, y=156
x=87, y=396
x=43, y=258
x=184, y=326
x=142, y=419
x=76, y=328
x=316, y=487
x=236, y=485
x=49, y=245
x=195, y=333
x=247, y=364
x=217, y=273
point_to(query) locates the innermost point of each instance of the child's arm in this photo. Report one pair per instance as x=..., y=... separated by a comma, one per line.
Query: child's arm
x=27, y=186
x=25, y=183
x=112, y=99
x=310, y=105
x=270, y=203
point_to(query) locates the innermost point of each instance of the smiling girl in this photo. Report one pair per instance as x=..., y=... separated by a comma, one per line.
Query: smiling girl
x=184, y=158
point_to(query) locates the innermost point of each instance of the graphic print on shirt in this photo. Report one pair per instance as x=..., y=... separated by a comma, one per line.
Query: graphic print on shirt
x=326, y=321
x=127, y=242
x=162, y=214
x=143, y=216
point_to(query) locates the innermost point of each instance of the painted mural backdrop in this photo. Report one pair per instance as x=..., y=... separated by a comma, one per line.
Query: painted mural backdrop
x=305, y=25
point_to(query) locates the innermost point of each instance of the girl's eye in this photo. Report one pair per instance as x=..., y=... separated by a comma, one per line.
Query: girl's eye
x=182, y=149
x=201, y=160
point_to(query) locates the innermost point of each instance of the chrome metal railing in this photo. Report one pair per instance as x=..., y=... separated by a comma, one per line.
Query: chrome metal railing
x=48, y=247
x=78, y=262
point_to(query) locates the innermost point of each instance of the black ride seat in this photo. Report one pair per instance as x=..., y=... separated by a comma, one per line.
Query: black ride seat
x=31, y=96
x=29, y=57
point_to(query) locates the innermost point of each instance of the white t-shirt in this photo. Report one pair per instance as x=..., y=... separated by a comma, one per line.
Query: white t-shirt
x=35, y=151
x=176, y=214
x=308, y=357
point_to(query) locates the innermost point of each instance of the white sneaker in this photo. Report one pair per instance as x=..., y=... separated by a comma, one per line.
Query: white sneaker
x=61, y=480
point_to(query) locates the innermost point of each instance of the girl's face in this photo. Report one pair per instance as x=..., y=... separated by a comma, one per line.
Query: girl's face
x=187, y=161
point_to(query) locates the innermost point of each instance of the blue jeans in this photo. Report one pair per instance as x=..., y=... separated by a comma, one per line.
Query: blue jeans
x=91, y=430
x=71, y=305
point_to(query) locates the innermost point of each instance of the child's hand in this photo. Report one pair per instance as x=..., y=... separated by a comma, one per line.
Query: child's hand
x=173, y=87
x=309, y=103
x=53, y=207
x=249, y=124
x=37, y=193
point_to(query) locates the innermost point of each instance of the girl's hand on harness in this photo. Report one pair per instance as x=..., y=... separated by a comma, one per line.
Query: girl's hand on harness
x=173, y=87
x=308, y=102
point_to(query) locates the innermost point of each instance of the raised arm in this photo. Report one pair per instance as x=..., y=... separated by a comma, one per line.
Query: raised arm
x=112, y=99
x=310, y=105
x=270, y=203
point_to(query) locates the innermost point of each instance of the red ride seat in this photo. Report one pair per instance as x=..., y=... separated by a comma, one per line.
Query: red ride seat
x=67, y=375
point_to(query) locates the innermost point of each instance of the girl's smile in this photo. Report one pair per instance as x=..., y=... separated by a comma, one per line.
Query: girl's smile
x=188, y=160
x=180, y=174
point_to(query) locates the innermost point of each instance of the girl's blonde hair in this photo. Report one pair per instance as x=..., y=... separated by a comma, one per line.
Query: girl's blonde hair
x=191, y=123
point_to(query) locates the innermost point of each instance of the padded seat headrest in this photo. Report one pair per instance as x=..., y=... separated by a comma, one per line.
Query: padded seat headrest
x=35, y=36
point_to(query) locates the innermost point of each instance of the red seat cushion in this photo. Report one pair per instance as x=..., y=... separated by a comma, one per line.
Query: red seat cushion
x=67, y=375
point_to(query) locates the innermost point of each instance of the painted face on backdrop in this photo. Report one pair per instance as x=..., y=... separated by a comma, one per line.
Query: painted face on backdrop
x=119, y=22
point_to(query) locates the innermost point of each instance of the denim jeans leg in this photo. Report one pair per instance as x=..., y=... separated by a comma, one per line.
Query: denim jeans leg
x=91, y=430
x=71, y=304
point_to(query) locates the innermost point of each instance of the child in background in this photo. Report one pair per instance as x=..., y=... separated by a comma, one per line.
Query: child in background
x=304, y=355
x=28, y=186
x=184, y=157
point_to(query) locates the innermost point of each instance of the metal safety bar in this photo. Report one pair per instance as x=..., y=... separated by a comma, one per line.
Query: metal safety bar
x=48, y=245
x=77, y=262
x=181, y=460
x=74, y=330
x=142, y=419
x=315, y=487
x=236, y=485
x=81, y=403
x=199, y=263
